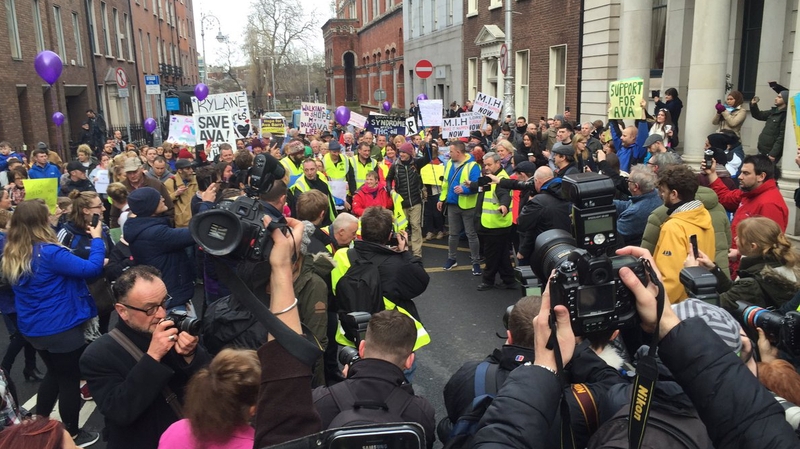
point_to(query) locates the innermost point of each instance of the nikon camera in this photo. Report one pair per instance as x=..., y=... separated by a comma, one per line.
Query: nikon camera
x=782, y=331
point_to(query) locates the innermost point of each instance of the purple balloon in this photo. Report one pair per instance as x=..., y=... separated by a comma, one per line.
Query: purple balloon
x=201, y=91
x=387, y=106
x=342, y=115
x=150, y=124
x=48, y=65
x=58, y=118
x=421, y=97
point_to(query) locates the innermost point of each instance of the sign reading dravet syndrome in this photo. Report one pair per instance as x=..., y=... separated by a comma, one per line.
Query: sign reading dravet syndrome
x=625, y=96
x=386, y=125
x=313, y=118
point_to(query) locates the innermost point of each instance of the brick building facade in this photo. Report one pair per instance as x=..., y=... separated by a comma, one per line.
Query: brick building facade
x=364, y=52
x=545, y=55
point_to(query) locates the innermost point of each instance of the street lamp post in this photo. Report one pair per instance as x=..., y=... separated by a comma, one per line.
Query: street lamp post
x=220, y=37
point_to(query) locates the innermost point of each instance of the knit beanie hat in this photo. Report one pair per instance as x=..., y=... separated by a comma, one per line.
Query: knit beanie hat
x=785, y=95
x=718, y=319
x=144, y=201
x=407, y=148
x=185, y=154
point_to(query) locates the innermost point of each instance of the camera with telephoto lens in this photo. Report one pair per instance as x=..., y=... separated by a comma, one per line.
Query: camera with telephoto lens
x=782, y=331
x=184, y=323
x=588, y=286
x=235, y=228
x=348, y=355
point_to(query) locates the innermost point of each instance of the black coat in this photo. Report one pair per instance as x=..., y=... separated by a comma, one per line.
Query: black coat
x=407, y=180
x=81, y=185
x=128, y=393
x=547, y=210
x=374, y=380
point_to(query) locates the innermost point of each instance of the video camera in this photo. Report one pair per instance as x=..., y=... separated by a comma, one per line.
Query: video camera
x=782, y=331
x=586, y=279
x=235, y=228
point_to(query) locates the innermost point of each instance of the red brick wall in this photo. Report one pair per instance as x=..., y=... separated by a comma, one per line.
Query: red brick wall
x=536, y=26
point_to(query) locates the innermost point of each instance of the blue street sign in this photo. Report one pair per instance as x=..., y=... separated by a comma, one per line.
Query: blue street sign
x=173, y=104
x=152, y=84
x=151, y=79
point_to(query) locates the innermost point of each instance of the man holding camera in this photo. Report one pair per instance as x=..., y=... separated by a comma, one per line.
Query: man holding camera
x=129, y=391
x=182, y=188
x=376, y=379
x=545, y=211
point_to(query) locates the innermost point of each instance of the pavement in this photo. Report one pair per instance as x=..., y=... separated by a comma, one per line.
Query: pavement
x=463, y=324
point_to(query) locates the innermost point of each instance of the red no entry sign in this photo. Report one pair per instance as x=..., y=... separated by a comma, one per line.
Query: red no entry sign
x=423, y=69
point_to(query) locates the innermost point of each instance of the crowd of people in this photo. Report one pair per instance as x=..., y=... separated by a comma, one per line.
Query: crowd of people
x=102, y=287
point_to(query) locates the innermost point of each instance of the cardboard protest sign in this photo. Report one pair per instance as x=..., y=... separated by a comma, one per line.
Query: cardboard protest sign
x=487, y=105
x=411, y=126
x=215, y=129
x=454, y=128
x=182, y=131
x=430, y=112
x=274, y=126
x=233, y=102
x=625, y=97
x=385, y=125
x=357, y=120
x=313, y=118
x=476, y=120
x=794, y=103
x=44, y=188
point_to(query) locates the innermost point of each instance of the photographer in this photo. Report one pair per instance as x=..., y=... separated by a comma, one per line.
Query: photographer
x=737, y=411
x=545, y=211
x=377, y=378
x=129, y=392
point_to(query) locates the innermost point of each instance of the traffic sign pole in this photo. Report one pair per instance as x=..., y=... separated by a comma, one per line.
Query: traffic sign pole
x=122, y=92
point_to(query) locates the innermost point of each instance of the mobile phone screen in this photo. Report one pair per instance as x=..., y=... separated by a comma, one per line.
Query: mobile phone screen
x=693, y=242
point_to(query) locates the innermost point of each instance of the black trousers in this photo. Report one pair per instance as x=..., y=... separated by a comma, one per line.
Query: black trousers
x=497, y=253
x=62, y=382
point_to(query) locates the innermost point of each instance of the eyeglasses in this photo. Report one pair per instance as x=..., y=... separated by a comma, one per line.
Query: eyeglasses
x=99, y=206
x=150, y=311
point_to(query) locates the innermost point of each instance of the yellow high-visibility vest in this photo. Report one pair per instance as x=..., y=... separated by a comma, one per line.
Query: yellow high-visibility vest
x=491, y=217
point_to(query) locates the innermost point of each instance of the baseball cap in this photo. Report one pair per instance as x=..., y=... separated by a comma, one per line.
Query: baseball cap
x=526, y=167
x=75, y=165
x=132, y=164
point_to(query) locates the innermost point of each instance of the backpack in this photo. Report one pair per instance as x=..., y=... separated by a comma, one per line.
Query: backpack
x=463, y=431
x=354, y=413
x=665, y=430
x=359, y=290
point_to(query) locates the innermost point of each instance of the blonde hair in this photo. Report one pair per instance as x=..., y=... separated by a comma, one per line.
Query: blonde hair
x=231, y=384
x=29, y=226
x=580, y=138
x=770, y=241
x=85, y=149
x=80, y=201
x=506, y=145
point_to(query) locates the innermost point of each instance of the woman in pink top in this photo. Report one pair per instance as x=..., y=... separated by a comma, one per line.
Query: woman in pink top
x=231, y=384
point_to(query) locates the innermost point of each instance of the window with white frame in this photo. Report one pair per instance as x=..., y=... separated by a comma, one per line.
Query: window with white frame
x=59, y=29
x=449, y=12
x=433, y=15
x=364, y=13
x=37, y=26
x=106, y=30
x=13, y=29
x=128, y=39
x=150, y=54
x=558, y=80
x=117, y=32
x=522, y=78
x=472, y=7
x=76, y=30
x=160, y=53
x=352, y=9
x=495, y=4
x=472, y=78
x=95, y=43
x=141, y=51
x=374, y=9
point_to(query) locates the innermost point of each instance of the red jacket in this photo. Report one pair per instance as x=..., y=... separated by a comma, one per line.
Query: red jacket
x=366, y=197
x=764, y=201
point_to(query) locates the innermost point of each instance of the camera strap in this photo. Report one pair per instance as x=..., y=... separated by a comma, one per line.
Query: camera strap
x=567, y=436
x=296, y=344
x=646, y=374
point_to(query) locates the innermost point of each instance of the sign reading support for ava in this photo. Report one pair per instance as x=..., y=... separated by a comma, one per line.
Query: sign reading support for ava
x=233, y=102
x=625, y=97
x=313, y=118
x=386, y=125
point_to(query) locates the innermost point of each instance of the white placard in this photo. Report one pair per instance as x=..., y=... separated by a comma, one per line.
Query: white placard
x=313, y=118
x=454, y=128
x=431, y=112
x=233, y=102
x=357, y=120
x=216, y=129
x=181, y=130
x=487, y=105
x=411, y=126
x=476, y=120
x=101, y=181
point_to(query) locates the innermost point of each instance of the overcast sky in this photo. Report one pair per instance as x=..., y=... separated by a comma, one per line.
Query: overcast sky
x=233, y=14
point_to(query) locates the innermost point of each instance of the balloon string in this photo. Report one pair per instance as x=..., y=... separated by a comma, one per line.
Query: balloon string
x=58, y=128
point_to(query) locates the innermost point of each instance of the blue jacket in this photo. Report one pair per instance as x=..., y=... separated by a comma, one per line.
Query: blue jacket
x=474, y=174
x=48, y=171
x=633, y=153
x=153, y=242
x=54, y=298
x=632, y=216
x=6, y=294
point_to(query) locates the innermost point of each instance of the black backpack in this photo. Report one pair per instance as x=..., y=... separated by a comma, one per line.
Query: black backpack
x=353, y=412
x=463, y=431
x=665, y=430
x=359, y=290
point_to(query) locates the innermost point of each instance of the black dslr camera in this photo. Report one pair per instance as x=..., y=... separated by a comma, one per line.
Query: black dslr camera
x=235, y=228
x=782, y=331
x=184, y=323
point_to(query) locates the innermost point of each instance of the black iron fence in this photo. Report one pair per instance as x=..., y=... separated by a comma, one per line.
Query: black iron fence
x=138, y=136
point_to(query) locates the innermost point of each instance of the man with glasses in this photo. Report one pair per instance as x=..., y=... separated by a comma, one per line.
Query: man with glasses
x=632, y=214
x=131, y=393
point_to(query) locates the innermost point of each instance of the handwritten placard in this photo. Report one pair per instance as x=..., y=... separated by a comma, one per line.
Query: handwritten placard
x=487, y=105
x=313, y=118
x=357, y=120
x=182, y=131
x=44, y=188
x=215, y=129
x=431, y=112
x=625, y=97
x=411, y=126
x=233, y=102
x=101, y=181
